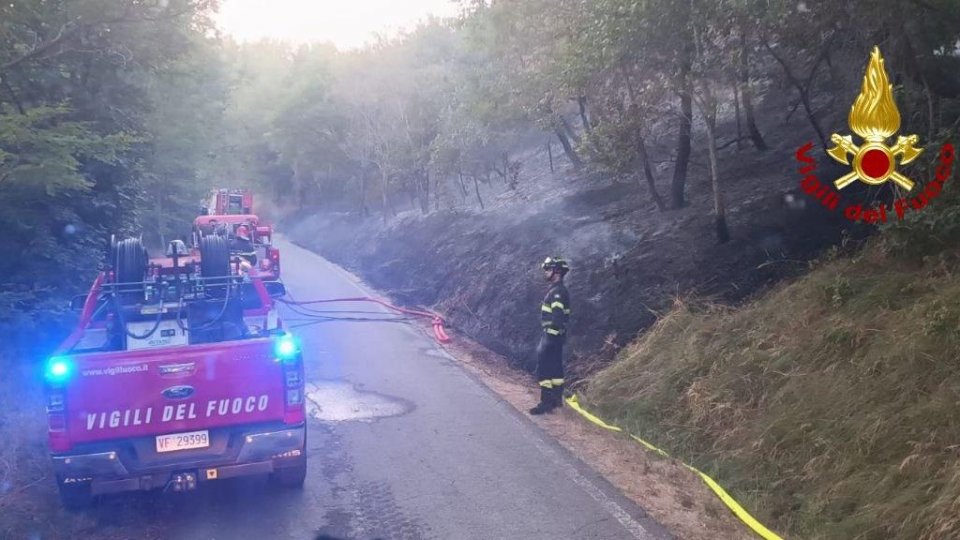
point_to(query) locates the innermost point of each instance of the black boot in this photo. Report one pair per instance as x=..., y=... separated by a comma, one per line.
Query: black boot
x=558, y=396
x=541, y=408
x=545, y=404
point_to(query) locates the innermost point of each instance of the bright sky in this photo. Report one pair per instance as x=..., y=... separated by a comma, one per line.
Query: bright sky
x=346, y=23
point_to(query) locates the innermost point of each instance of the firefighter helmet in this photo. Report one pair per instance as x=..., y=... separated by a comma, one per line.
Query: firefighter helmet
x=243, y=232
x=555, y=264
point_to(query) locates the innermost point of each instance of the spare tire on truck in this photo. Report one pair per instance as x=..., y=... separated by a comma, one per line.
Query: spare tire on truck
x=129, y=260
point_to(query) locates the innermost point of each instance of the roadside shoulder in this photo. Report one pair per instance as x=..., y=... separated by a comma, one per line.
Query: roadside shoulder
x=671, y=494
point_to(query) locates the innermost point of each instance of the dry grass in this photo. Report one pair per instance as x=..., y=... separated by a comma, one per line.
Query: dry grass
x=828, y=407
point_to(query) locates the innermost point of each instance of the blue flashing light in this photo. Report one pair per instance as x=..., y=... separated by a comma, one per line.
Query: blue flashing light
x=59, y=369
x=287, y=348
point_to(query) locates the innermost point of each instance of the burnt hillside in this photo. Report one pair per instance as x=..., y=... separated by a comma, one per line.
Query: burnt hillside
x=480, y=268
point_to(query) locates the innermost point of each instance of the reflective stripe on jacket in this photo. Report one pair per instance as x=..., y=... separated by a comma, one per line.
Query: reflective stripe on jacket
x=555, y=310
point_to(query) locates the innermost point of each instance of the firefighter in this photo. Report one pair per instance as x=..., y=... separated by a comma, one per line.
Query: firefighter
x=241, y=245
x=554, y=314
x=241, y=240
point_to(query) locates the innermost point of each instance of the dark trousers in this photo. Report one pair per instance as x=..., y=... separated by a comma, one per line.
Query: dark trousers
x=550, y=369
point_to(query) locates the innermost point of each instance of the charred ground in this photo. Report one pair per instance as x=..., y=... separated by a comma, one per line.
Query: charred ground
x=630, y=261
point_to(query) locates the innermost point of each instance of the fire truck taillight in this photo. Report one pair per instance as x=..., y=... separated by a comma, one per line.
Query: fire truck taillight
x=294, y=397
x=56, y=420
x=55, y=402
x=58, y=370
x=275, y=257
x=286, y=349
x=294, y=384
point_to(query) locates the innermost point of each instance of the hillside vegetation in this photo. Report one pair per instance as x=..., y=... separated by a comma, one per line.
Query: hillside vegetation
x=651, y=143
x=108, y=117
x=830, y=404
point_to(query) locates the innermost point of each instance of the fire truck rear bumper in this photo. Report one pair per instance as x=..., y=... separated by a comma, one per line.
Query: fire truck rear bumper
x=259, y=452
x=181, y=480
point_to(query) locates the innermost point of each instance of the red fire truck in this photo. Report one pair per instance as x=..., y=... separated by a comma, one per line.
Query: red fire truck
x=179, y=373
x=225, y=201
x=247, y=236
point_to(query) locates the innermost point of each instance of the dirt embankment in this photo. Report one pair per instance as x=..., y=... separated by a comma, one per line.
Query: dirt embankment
x=480, y=268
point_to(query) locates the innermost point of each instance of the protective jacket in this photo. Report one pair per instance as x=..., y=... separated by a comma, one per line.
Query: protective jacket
x=555, y=312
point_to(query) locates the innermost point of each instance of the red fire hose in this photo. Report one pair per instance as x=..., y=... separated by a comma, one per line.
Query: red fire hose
x=438, y=323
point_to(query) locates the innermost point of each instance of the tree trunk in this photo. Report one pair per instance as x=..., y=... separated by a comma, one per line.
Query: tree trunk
x=710, y=119
x=502, y=174
x=755, y=135
x=424, y=177
x=476, y=187
x=550, y=154
x=298, y=183
x=364, y=211
x=13, y=95
x=317, y=185
x=582, y=102
x=931, y=122
x=416, y=196
x=568, y=129
x=413, y=193
x=642, y=144
x=383, y=193
x=328, y=180
x=679, y=182
x=463, y=188
x=648, y=173
x=568, y=148
x=736, y=110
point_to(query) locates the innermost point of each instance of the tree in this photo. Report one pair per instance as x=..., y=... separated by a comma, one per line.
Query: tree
x=450, y=103
x=714, y=38
x=77, y=135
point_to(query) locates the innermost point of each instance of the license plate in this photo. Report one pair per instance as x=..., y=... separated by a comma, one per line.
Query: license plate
x=183, y=441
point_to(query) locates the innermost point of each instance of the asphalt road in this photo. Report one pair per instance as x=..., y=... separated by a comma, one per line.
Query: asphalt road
x=402, y=444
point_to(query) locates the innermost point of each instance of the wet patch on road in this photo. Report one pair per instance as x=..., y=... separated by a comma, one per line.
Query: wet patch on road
x=341, y=401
